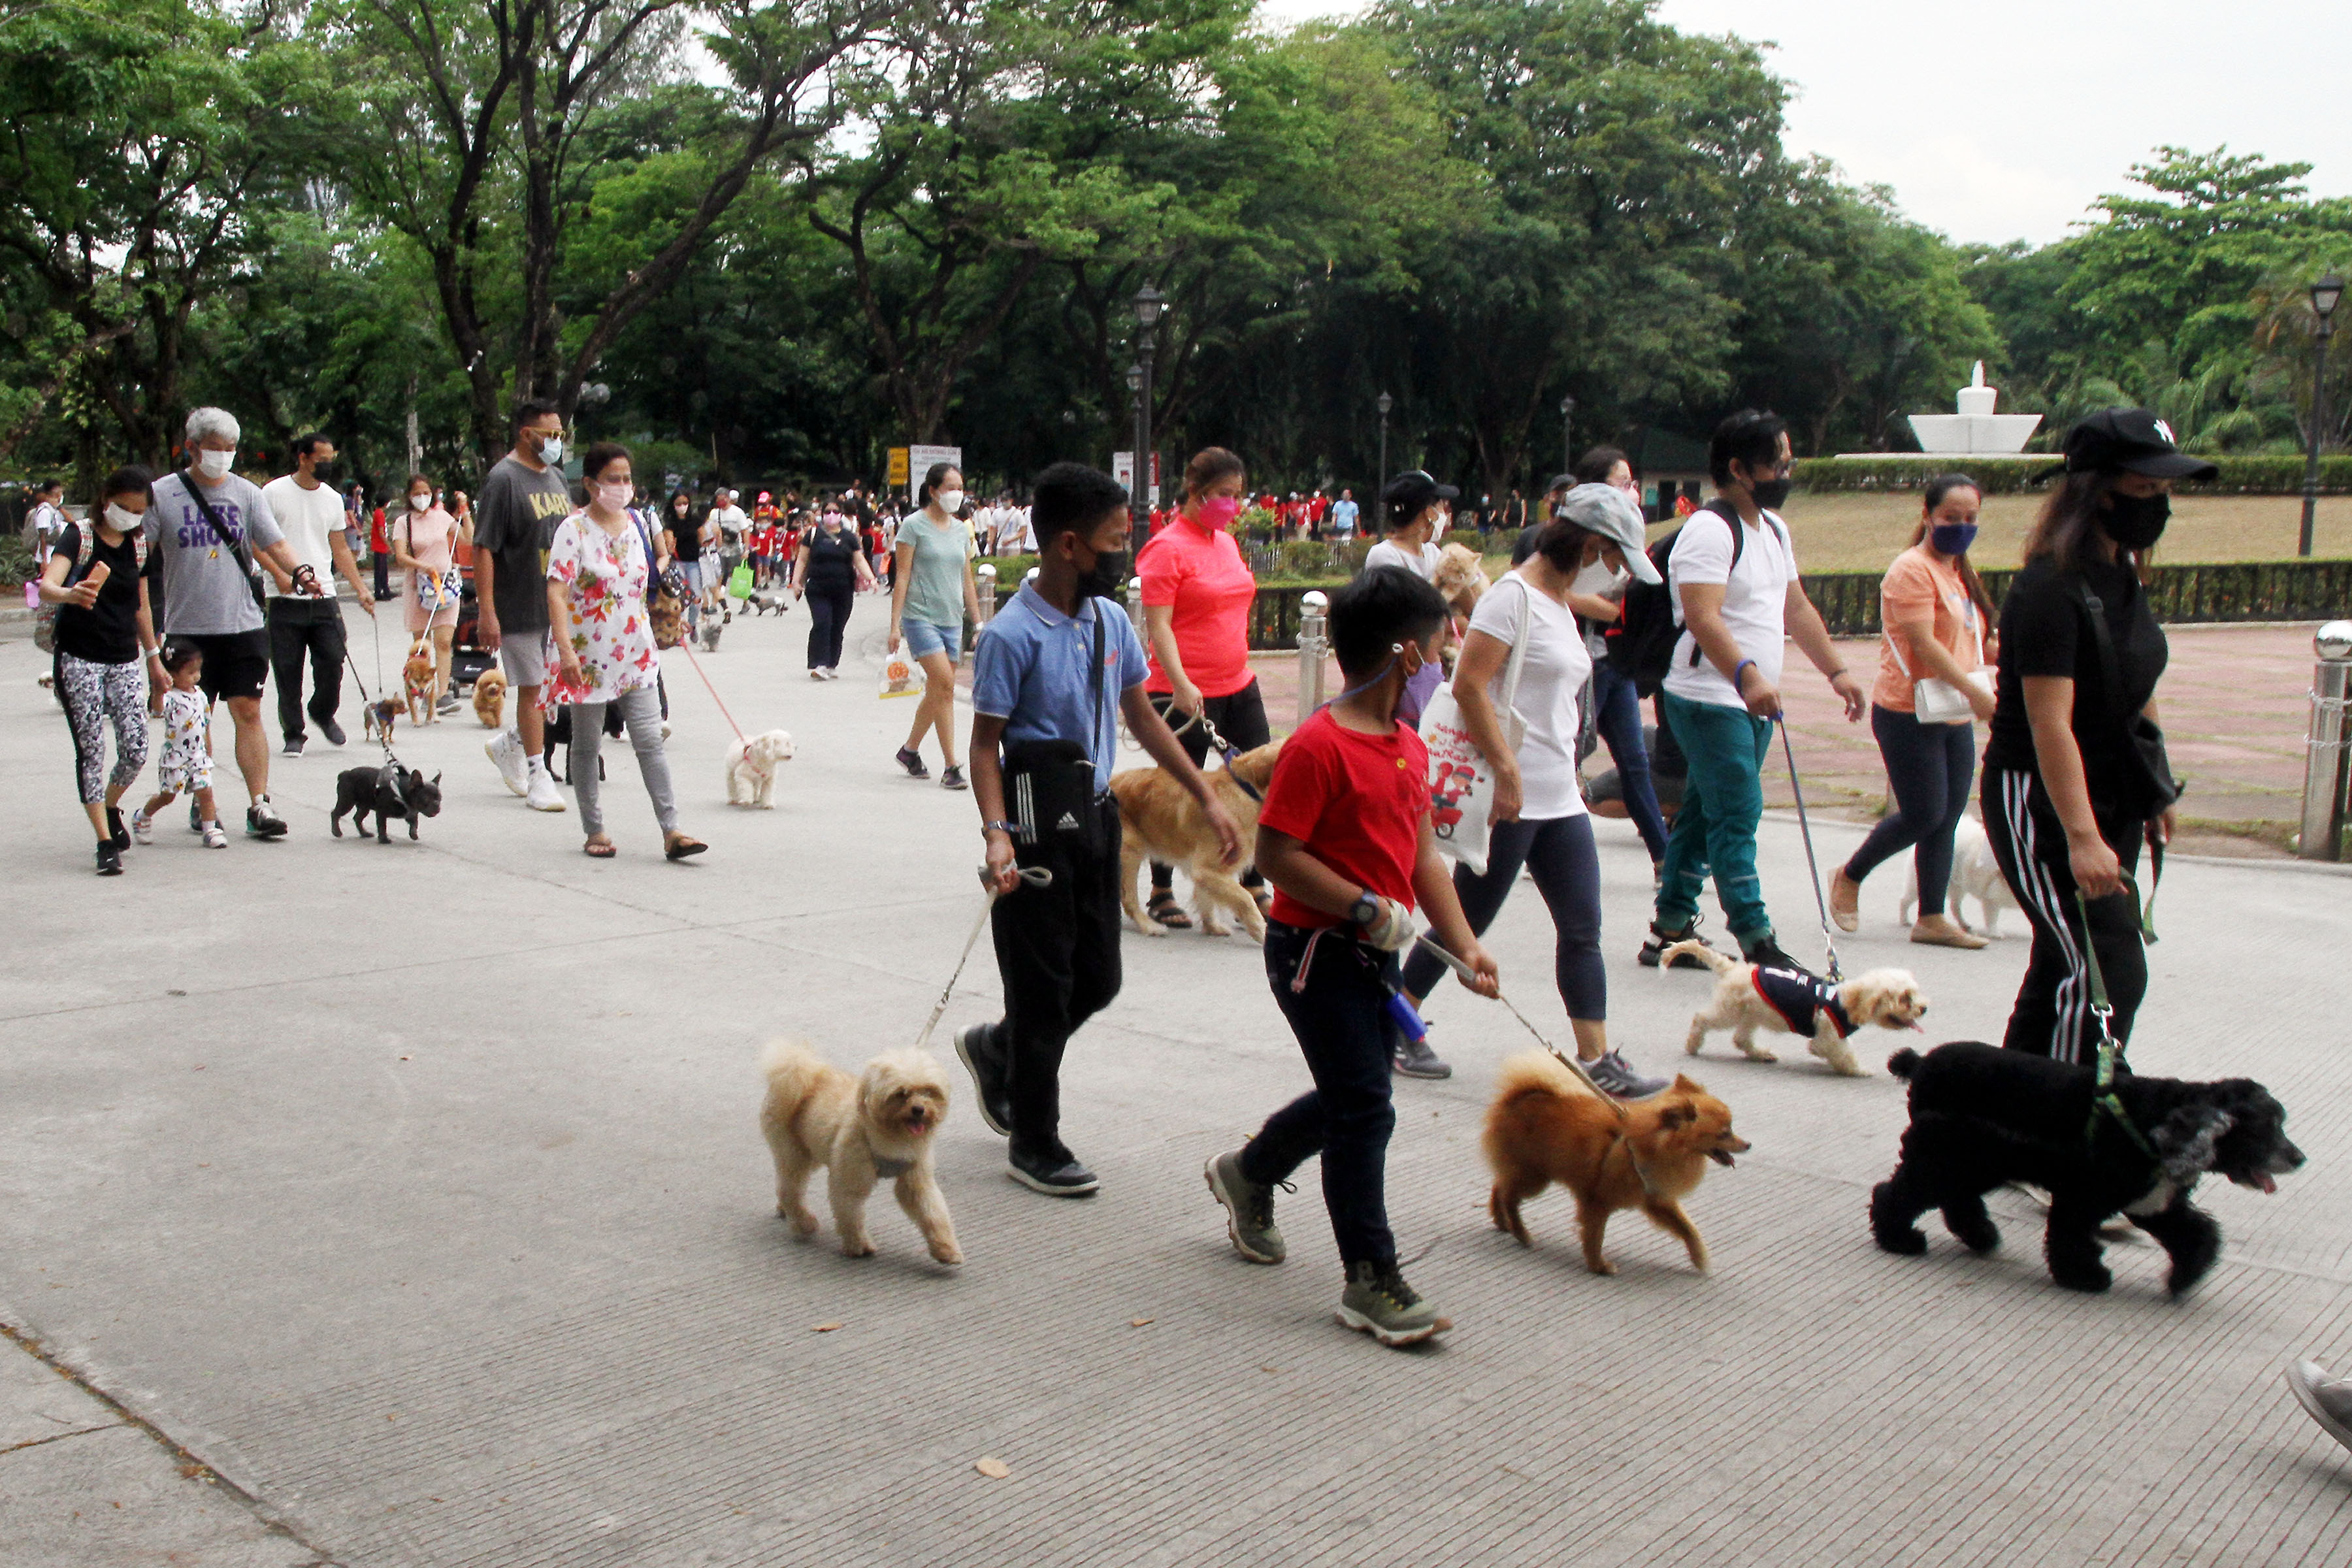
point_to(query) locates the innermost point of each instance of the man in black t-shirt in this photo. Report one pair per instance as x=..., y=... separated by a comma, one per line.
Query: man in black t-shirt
x=522, y=499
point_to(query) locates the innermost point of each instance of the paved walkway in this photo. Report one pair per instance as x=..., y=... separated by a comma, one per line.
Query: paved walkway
x=413, y=1193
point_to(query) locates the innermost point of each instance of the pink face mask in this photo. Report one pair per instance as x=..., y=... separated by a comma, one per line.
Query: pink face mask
x=1217, y=513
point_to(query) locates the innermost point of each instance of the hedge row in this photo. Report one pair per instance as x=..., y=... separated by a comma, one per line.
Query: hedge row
x=2262, y=476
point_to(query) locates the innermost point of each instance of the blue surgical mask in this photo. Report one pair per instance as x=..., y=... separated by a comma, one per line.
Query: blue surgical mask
x=1952, y=538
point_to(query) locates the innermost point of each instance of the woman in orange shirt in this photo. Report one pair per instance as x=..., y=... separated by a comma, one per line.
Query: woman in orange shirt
x=1936, y=617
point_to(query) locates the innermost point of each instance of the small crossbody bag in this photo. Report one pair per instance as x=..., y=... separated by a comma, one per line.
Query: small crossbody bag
x=1049, y=785
x=1937, y=701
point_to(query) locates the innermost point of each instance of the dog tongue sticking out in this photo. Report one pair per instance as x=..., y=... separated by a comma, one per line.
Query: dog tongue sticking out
x=2269, y=1182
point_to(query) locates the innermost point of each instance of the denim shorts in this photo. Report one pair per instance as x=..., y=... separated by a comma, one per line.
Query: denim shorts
x=925, y=638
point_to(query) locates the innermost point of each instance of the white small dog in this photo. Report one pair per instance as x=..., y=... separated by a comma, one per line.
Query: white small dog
x=1975, y=875
x=752, y=768
x=1794, y=1002
x=862, y=1131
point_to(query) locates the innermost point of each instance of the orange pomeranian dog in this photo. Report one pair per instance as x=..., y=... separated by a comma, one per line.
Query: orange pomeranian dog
x=1545, y=1126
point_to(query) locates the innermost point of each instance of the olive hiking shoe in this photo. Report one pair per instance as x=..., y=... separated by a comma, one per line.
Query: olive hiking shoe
x=1378, y=1302
x=1249, y=1209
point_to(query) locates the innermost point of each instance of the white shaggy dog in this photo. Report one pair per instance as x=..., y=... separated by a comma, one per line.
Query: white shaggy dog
x=1975, y=875
x=862, y=1131
x=1792, y=1001
x=752, y=768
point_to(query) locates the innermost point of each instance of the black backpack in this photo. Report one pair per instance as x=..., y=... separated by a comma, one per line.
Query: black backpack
x=1642, y=642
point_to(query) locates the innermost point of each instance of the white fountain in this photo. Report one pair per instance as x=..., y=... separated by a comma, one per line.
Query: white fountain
x=1976, y=428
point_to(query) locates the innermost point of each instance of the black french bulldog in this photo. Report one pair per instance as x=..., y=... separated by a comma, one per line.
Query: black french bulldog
x=389, y=793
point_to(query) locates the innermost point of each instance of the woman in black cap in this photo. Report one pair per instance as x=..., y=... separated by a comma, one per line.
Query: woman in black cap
x=2075, y=777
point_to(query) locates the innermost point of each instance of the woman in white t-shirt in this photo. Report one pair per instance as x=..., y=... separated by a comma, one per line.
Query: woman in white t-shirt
x=1539, y=820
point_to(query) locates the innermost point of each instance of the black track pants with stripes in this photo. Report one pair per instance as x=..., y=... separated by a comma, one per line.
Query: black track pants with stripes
x=2052, y=1015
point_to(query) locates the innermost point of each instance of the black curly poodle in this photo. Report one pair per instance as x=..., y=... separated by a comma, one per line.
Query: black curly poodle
x=1982, y=1116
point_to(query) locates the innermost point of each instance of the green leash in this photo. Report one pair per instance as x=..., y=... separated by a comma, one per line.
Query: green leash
x=2103, y=1092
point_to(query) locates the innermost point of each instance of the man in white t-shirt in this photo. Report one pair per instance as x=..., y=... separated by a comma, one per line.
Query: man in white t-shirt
x=310, y=511
x=1013, y=534
x=1733, y=574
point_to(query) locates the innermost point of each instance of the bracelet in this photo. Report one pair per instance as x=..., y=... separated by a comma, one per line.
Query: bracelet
x=1743, y=664
x=1833, y=674
x=1010, y=829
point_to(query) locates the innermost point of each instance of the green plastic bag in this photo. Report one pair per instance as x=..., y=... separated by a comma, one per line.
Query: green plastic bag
x=740, y=581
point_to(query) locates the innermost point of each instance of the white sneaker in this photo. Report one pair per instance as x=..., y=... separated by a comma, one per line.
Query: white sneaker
x=505, y=749
x=143, y=828
x=214, y=838
x=542, y=795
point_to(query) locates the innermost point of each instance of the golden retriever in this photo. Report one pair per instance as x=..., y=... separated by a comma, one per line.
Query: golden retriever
x=1545, y=1126
x=1160, y=820
x=1890, y=998
x=862, y=1131
x=491, y=698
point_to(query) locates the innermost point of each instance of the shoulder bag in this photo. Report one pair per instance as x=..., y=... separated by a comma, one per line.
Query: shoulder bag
x=1049, y=785
x=664, y=593
x=1461, y=778
x=1935, y=700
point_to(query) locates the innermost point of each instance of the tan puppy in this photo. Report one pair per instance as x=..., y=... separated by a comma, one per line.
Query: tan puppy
x=1461, y=577
x=1545, y=1126
x=1160, y=820
x=1795, y=1003
x=416, y=681
x=490, y=698
x=861, y=1130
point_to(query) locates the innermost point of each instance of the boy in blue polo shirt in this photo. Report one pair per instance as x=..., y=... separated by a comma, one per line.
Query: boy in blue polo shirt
x=1051, y=675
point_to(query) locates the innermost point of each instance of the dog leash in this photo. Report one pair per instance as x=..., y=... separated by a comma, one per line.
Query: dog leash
x=1812, y=866
x=1035, y=877
x=2103, y=1090
x=689, y=646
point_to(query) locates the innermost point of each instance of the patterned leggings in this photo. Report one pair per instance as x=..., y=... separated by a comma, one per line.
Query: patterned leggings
x=93, y=694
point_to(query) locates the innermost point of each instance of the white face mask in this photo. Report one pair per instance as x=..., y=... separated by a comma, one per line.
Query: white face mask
x=616, y=495
x=550, y=450
x=123, y=521
x=213, y=464
x=949, y=501
x=421, y=502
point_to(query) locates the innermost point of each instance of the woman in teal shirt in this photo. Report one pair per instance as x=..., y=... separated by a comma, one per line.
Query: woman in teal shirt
x=931, y=597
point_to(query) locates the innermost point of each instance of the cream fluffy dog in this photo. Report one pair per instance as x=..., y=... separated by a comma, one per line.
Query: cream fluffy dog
x=751, y=769
x=862, y=1131
x=1794, y=1002
x=1975, y=875
x=1160, y=820
x=1461, y=577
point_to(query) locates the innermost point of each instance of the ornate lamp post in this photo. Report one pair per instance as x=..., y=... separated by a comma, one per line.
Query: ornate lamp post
x=1383, y=403
x=1567, y=435
x=1150, y=305
x=2324, y=294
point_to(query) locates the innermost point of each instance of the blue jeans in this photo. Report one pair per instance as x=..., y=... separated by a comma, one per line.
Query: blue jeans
x=1341, y=1018
x=1617, y=714
x=925, y=638
x=1723, y=802
x=1929, y=767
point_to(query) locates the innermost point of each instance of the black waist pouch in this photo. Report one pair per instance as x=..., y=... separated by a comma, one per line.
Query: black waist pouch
x=1050, y=795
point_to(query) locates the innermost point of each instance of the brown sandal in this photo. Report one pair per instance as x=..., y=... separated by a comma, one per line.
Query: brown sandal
x=677, y=847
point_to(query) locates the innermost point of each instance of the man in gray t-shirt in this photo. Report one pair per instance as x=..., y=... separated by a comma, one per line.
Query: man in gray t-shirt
x=514, y=522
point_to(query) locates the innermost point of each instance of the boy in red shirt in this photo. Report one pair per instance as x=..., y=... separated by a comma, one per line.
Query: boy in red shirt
x=1344, y=836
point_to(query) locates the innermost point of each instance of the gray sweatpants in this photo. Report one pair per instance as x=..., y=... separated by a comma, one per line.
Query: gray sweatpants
x=641, y=716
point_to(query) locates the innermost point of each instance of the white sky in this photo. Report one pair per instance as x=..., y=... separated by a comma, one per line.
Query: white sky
x=1998, y=119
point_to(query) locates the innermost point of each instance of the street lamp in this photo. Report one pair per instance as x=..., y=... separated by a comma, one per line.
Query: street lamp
x=1149, y=304
x=1383, y=403
x=2324, y=294
x=1568, y=434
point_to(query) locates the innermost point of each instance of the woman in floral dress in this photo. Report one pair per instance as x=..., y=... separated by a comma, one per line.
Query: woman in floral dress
x=601, y=643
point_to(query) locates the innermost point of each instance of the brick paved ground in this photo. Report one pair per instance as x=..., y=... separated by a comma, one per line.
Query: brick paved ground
x=415, y=1191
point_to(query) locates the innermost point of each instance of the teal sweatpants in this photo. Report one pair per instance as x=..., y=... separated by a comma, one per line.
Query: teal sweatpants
x=1723, y=802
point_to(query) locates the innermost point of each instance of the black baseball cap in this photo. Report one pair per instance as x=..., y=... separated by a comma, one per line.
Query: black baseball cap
x=1411, y=494
x=1561, y=482
x=2131, y=441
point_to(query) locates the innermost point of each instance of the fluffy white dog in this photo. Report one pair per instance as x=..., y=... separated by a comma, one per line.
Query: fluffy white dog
x=1794, y=1002
x=752, y=768
x=1975, y=875
x=862, y=1131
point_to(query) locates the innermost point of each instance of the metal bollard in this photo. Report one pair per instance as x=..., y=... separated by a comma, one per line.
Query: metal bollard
x=1135, y=609
x=1314, y=647
x=984, y=583
x=2330, y=745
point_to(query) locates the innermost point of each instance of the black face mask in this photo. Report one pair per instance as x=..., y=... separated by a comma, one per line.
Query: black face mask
x=2135, y=522
x=1772, y=494
x=323, y=472
x=1107, y=578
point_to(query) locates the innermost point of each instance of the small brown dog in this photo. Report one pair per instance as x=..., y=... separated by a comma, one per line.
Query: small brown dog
x=491, y=698
x=1545, y=1126
x=1795, y=1002
x=378, y=718
x=862, y=1131
x=416, y=681
x=1160, y=820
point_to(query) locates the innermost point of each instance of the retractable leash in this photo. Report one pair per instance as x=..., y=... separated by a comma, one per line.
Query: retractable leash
x=1035, y=877
x=1812, y=866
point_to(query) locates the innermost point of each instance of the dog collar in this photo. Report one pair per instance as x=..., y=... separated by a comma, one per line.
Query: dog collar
x=889, y=1169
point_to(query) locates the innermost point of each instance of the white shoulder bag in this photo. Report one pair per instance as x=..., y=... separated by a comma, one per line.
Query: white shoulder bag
x=1935, y=701
x=1461, y=780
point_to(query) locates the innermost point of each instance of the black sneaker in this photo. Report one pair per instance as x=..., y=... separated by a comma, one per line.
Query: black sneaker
x=110, y=858
x=293, y=747
x=1766, y=953
x=977, y=1046
x=912, y=761
x=1055, y=1172
x=1660, y=938
x=1414, y=1059
x=114, y=828
x=262, y=821
x=952, y=778
x=330, y=729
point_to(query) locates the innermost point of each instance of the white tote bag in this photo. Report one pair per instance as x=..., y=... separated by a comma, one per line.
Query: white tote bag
x=1461, y=781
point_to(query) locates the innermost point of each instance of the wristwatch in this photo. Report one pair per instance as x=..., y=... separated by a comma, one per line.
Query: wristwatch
x=1365, y=910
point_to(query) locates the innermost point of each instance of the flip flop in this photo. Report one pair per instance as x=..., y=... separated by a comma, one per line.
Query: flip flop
x=679, y=846
x=596, y=851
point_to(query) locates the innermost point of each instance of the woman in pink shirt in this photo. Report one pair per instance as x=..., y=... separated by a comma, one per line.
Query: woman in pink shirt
x=1197, y=594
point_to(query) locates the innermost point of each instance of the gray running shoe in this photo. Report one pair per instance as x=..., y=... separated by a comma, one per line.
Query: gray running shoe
x=1415, y=1060
x=1249, y=1210
x=1620, y=1081
x=1378, y=1302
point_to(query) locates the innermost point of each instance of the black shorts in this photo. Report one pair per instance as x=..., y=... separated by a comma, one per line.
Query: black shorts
x=236, y=663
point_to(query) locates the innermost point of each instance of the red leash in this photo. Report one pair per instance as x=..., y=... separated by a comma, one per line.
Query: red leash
x=689, y=645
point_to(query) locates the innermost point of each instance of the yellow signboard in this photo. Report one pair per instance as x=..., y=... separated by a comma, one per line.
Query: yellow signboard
x=897, y=467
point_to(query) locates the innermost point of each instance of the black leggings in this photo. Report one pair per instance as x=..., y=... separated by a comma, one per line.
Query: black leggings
x=1240, y=717
x=1929, y=767
x=1558, y=850
x=2052, y=1014
x=828, y=622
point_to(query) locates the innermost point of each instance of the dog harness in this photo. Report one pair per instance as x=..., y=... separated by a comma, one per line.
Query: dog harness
x=1799, y=996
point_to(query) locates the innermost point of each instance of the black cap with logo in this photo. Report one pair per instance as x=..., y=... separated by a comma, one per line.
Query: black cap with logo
x=1409, y=495
x=2130, y=441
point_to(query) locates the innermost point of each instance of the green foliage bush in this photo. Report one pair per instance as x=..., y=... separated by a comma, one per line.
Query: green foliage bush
x=16, y=562
x=2250, y=475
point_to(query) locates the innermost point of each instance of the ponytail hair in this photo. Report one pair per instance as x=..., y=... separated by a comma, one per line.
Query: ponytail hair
x=1937, y=489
